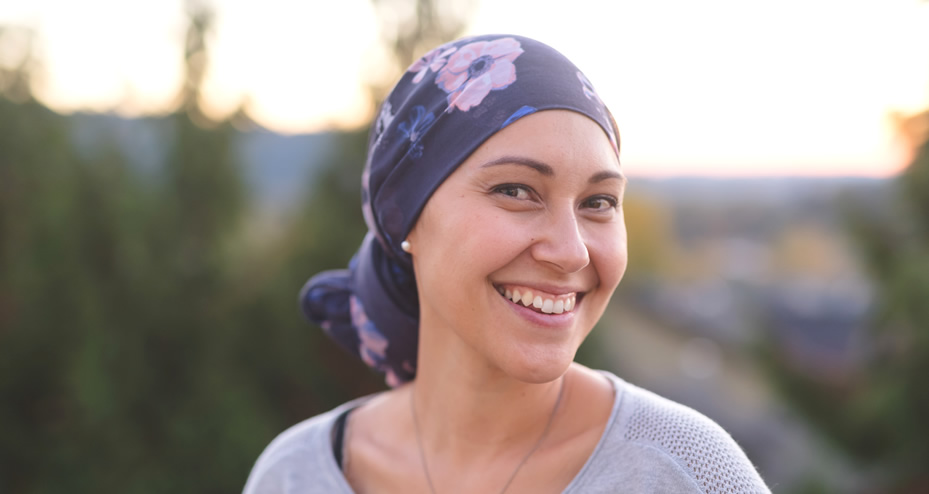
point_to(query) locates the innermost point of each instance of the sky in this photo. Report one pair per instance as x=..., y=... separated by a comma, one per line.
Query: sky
x=717, y=87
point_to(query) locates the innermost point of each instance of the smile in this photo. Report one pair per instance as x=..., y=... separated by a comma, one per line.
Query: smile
x=539, y=301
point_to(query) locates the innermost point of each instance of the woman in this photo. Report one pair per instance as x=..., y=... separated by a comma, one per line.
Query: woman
x=493, y=195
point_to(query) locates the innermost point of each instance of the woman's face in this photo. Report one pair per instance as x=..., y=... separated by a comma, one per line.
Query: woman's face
x=536, y=210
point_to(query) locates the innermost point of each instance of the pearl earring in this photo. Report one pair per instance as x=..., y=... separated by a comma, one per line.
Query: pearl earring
x=405, y=245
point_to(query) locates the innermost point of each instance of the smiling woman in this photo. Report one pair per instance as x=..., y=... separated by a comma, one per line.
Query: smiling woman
x=493, y=194
x=534, y=212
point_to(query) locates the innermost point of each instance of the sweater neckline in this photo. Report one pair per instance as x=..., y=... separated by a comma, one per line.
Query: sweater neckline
x=346, y=408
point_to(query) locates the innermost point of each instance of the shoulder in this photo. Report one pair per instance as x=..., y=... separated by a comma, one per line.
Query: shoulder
x=681, y=439
x=300, y=459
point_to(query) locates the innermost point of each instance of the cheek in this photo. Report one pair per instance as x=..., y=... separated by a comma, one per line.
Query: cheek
x=465, y=242
x=490, y=238
x=609, y=255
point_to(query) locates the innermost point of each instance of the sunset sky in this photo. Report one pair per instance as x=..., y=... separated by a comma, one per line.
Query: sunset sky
x=720, y=87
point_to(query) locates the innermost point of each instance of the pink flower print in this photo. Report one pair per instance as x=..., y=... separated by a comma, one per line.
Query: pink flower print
x=477, y=69
x=434, y=60
x=394, y=379
x=372, y=344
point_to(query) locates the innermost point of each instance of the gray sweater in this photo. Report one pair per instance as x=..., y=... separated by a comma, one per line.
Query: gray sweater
x=650, y=445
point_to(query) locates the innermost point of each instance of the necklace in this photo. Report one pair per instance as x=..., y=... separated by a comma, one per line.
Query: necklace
x=422, y=452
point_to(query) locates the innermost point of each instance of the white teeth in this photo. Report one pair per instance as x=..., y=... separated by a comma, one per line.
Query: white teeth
x=547, y=306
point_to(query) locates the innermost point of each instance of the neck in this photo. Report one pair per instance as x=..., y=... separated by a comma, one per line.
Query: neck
x=467, y=413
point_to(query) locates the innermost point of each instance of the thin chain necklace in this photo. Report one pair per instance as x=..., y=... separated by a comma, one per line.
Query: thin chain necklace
x=422, y=452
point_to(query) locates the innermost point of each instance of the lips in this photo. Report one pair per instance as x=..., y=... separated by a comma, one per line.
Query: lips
x=538, y=300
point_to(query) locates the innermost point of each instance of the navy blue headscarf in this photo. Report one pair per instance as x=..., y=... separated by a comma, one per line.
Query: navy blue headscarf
x=447, y=103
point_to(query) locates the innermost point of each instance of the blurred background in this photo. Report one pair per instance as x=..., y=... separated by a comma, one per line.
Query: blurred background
x=171, y=173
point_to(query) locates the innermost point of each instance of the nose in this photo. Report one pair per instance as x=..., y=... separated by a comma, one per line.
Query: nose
x=561, y=242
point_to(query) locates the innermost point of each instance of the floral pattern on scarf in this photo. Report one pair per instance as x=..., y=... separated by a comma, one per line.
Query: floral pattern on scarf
x=415, y=127
x=434, y=60
x=476, y=69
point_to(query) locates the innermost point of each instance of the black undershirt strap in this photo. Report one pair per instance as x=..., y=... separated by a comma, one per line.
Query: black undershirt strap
x=338, y=437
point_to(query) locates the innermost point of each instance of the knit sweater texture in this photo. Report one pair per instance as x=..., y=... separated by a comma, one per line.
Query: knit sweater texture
x=650, y=445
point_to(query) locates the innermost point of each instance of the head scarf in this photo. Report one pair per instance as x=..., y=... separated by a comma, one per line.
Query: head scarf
x=447, y=103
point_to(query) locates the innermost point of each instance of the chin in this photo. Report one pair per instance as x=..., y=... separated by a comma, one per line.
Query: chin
x=539, y=367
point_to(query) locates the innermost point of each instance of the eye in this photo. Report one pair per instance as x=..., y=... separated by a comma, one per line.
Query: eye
x=513, y=190
x=601, y=203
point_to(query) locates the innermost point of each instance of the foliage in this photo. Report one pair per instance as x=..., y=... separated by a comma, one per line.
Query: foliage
x=139, y=350
x=877, y=415
x=142, y=349
x=146, y=343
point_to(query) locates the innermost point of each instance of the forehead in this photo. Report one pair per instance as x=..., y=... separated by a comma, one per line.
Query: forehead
x=557, y=137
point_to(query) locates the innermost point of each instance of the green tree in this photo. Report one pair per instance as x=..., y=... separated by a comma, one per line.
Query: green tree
x=878, y=415
x=145, y=345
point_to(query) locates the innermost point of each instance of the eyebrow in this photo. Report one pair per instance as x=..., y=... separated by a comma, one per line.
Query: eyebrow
x=521, y=160
x=606, y=175
x=547, y=170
